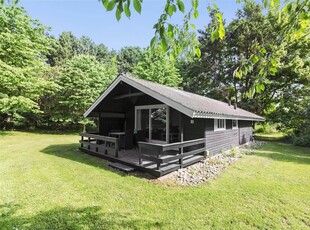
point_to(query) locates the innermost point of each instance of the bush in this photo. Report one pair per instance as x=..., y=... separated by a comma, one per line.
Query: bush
x=299, y=140
x=266, y=128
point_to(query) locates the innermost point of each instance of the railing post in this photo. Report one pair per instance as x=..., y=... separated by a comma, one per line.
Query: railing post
x=181, y=157
x=116, y=148
x=140, y=159
x=97, y=142
x=88, y=143
x=106, y=145
x=158, y=163
x=82, y=139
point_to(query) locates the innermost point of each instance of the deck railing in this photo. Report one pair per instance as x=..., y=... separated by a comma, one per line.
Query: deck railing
x=99, y=144
x=168, y=153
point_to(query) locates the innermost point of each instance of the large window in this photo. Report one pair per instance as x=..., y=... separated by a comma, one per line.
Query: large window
x=219, y=124
x=153, y=120
x=235, y=124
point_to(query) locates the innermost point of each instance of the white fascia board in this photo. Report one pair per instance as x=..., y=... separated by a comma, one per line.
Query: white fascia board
x=221, y=116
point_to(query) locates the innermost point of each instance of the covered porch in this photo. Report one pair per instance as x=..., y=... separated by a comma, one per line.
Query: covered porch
x=153, y=158
x=131, y=116
x=136, y=128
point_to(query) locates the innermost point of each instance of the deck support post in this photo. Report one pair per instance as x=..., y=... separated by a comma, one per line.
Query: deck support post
x=181, y=157
x=181, y=150
x=140, y=159
x=116, y=148
x=158, y=163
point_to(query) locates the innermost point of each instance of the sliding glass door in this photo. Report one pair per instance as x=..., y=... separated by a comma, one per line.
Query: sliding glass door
x=153, y=120
x=158, y=124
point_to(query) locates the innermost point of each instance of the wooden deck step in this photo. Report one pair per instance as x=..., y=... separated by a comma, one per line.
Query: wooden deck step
x=122, y=167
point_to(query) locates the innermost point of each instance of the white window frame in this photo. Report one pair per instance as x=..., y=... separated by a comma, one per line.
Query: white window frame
x=150, y=107
x=232, y=124
x=216, y=128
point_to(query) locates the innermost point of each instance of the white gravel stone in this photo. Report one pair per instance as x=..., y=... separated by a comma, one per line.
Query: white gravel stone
x=211, y=167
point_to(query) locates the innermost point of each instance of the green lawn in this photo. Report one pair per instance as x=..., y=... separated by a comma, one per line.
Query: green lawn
x=45, y=183
x=270, y=136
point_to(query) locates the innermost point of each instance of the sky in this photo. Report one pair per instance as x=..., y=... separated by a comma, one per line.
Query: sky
x=89, y=18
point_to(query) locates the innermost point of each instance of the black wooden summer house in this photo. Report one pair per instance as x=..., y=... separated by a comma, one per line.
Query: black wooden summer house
x=159, y=129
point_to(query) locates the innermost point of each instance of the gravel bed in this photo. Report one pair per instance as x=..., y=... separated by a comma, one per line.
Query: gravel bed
x=210, y=167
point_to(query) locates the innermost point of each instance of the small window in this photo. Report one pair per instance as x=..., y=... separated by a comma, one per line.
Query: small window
x=219, y=124
x=235, y=124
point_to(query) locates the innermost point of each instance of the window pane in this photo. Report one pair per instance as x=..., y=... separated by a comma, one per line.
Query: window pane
x=143, y=121
x=159, y=119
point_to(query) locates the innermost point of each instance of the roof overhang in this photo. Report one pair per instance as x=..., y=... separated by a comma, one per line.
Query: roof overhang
x=187, y=111
x=224, y=116
x=168, y=101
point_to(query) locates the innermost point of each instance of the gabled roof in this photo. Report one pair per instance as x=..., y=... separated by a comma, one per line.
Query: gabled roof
x=193, y=105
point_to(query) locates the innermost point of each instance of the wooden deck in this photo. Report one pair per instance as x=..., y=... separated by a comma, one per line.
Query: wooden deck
x=154, y=159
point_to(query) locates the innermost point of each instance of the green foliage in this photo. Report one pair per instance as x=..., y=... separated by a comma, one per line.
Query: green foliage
x=127, y=58
x=215, y=73
x=81, y=80
x=22, y=63
x=155, y=66
x=292, y=24
x=266, y=128
x=292, y=113
x=299, y=140
x=166, y=33
x=67, y=46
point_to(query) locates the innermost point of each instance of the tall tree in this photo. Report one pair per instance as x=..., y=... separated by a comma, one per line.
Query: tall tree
x=292, y=19
x=214, y=72
x=128, y=57
x=22, y=63
x=64, y=49
x=68, y=45
x=155, y=66
x=81, y=80
x=103, y=54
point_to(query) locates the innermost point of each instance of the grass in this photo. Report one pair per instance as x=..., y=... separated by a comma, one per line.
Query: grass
x=277, y=136
x=45, y=183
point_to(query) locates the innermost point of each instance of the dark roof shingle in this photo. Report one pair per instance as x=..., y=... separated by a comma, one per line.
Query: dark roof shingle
x=201, y=105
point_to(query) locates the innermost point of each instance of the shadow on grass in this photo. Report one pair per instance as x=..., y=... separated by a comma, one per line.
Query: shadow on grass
x=286, y=153
x=71, y=152
x=91, y=217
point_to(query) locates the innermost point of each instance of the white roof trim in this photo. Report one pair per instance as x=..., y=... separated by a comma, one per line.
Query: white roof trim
x=222, y=116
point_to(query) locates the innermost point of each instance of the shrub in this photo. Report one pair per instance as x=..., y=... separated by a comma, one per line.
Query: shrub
x=266, y=128
x=299, y=140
